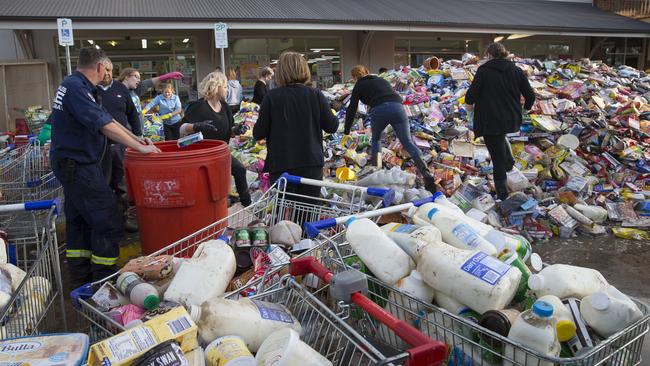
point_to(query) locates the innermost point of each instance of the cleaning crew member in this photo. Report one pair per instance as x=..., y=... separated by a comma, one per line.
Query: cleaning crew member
x=80, y=128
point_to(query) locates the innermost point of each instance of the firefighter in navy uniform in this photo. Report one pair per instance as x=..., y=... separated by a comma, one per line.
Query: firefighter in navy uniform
x=80, y=128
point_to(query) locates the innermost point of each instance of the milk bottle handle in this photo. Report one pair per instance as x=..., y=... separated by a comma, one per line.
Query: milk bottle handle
x=387, y=195
x=313, y=228
x=425, y=351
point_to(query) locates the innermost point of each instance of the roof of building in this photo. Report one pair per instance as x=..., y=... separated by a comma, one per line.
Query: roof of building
x=512, y=14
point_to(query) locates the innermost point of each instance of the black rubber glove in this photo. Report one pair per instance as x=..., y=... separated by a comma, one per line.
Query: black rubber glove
x=204, y=127
x=239, y=129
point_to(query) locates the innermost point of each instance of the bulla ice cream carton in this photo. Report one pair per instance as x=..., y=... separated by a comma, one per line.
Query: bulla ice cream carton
x=45, y=350
x=123, y=349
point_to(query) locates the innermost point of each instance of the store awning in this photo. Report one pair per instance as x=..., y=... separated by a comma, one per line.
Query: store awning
x=502, y=16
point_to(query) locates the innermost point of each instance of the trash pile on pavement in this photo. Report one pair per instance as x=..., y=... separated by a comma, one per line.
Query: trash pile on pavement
x=582, y=155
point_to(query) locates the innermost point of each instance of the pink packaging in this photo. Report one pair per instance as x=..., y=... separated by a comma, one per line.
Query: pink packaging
x=127, y=313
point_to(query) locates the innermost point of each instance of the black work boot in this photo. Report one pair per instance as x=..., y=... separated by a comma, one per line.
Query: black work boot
x=429, y=180
x=501, y=188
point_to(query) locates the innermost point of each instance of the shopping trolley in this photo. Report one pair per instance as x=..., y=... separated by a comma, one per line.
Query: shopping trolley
x=276, y=204
x=470, y=344
x=32, y=308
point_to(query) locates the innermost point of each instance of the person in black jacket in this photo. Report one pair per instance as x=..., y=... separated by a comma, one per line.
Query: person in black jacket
x=385, y=109
x=496, y=95
x=115, y=98
x=291, y=120
x=212, y=116
x=261, y=87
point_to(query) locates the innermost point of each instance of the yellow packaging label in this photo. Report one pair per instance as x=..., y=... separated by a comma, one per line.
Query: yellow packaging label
x=124, y=348
x=226, y=349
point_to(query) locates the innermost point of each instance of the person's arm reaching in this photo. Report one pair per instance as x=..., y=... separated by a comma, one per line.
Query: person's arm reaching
x=178, y=108
x=527, y=91
x=351, y=112
x=263, y=124
x=328, y=121
x=474, y=89
x=116, y=132
x=151, y=104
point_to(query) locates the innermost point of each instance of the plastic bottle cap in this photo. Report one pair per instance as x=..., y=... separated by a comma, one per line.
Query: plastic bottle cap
x=535, y=282
x=536, y=262
x=151, y=302
x=543, y=309
x=600, y=301
x=195, y=313
x=566, y=330
x=438, y=195
x=432, y=212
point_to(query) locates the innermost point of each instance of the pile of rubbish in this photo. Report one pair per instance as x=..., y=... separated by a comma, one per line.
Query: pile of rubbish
x=582, y=154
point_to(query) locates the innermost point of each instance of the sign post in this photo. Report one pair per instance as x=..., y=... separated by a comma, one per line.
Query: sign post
x=221, y=41
x=66, y=39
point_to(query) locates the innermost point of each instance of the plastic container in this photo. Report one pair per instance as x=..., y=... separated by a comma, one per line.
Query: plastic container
x=284, y=348
x=252, y=320
x=70, y=349
x=473, y=278
x=563, y=280
x=378, y=252
x=609, y=311
x=454, y=229
x=5, y=288
x=141, y=293
x=535, y=329
x=228, y=351
x=597, y=214
x=207, y=274
x=178, y=191
x=511, y=258
x=410, y=237
x=564, y=327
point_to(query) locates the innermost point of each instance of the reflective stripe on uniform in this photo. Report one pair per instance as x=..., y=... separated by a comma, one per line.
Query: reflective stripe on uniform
x=105, y=261
x=78, y=253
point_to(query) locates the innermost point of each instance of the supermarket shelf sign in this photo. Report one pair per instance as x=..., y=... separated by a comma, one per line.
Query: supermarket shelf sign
x=221, y=35
x=64, y=26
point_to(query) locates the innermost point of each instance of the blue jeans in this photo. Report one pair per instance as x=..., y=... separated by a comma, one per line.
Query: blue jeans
x=392, y=113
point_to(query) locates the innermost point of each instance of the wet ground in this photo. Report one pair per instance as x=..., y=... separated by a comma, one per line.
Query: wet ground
x=624, y=263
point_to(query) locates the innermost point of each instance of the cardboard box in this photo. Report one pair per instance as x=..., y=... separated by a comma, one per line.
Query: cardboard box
x=125, y=348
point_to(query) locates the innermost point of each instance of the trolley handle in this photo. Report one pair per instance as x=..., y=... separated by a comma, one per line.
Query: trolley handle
x=32, y=206
x=314, y=228
x=386, y=194
x=425, y=351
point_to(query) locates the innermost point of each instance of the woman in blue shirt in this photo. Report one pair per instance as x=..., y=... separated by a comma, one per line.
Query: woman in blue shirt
x=170, y=110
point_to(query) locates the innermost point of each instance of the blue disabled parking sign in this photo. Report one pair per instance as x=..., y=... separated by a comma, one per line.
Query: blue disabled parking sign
x=64, y=26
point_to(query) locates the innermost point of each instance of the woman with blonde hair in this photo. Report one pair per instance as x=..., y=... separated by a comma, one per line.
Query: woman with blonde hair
x=292, y=119
x=211, y=116
x=235, y=94
x=385, y=109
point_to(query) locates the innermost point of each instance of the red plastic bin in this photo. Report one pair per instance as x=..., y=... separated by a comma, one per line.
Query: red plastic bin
x=178, y=191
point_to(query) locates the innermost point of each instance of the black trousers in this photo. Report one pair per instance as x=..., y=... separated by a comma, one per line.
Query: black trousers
x=172, y=132
x=502, y=160
x=238, y=172
x=94, y=226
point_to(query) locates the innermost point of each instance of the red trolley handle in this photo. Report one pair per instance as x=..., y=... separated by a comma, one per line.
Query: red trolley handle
x=425, y=351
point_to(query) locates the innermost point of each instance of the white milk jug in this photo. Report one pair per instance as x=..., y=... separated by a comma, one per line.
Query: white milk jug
x=563, y=280
x=410, y=237
x=377, y=251
x=284, y=348
x=455, y=231
x=471, y=277
x=252, y=320
x=565, y=326
x=609, y=311
x=205, y=275
x=535, y=329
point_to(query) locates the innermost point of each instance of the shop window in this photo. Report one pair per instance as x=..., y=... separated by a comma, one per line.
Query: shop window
x=414, y=51
x=152, y=56
x=249, y=55
x=623, y=51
